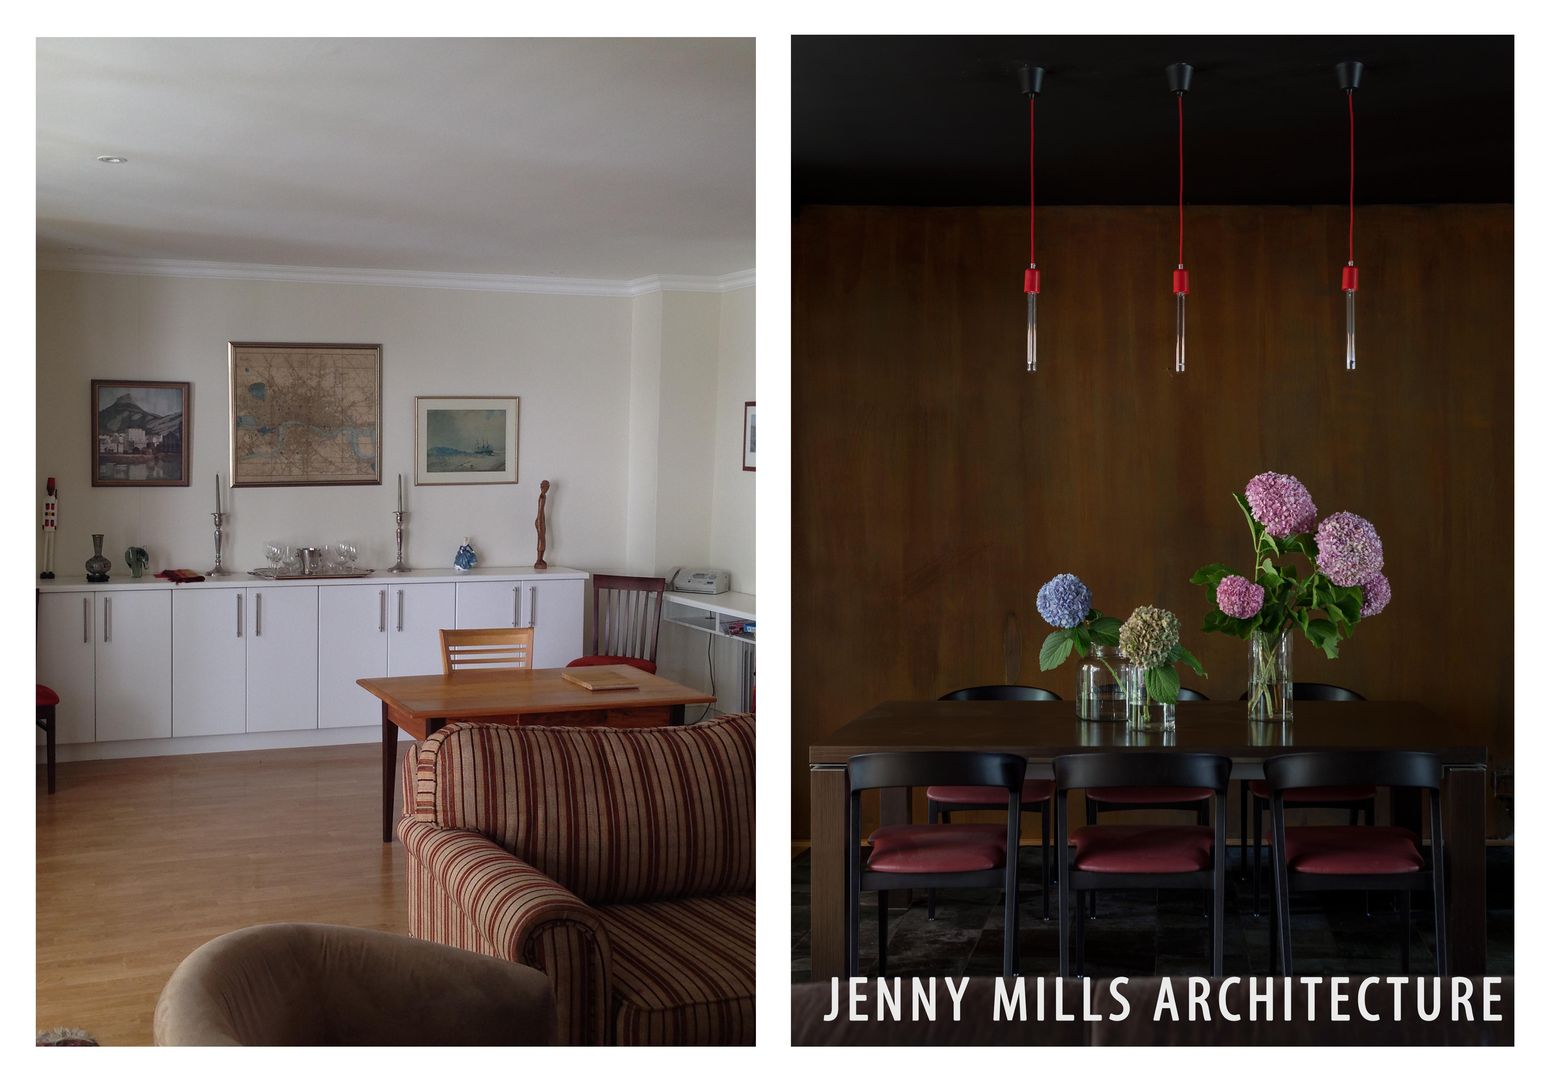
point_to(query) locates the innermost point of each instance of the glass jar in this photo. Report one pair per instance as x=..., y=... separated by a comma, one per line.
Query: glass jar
x=1098, y=686
x=1269, y=678
x=1143, y=712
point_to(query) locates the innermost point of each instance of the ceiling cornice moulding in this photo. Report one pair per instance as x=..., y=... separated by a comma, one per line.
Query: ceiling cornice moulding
x=410, y=279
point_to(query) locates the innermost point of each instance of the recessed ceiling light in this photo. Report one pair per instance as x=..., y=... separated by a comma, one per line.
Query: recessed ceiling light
x=112, y=159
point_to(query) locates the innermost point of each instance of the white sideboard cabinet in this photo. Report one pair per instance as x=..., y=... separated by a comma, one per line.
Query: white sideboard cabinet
x=240, y=660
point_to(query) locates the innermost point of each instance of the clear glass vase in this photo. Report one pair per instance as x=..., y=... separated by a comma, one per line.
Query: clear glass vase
x=1269, y=678
x=1098, y=686
x=1142, y=712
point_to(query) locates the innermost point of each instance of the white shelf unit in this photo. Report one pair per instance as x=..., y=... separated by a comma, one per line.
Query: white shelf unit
x=708, y=614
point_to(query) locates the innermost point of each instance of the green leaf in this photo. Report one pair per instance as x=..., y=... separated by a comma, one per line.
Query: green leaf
x=1055, y=649
x=1181, y=655
x=1211, y=573
x=1161, y=684
x=1104, y=630
x=1247, y=513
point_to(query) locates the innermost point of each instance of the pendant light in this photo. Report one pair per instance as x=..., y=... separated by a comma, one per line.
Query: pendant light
x=1349, y=74
x=1180, y=76
x=1030, y=86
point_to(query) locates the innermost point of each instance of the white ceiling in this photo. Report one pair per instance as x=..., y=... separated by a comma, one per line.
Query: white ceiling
x=603, y=158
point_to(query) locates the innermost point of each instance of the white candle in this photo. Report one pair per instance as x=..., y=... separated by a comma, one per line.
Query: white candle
x=217, y=487
x=399, y=505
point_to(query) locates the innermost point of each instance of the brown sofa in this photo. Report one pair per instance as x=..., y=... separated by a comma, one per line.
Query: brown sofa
x=305, y=984
x=811, y=1002
x=619, y=862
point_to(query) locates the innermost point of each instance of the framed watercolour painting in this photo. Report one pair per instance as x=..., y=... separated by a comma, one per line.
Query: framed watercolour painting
x=303, y=414
x=140, y=433
x=467, y=440
x=748, y=436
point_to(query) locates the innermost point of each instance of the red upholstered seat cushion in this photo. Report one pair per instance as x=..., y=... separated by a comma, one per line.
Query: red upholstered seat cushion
x=648, y=666
x=1143, y=849
x=937, y=849
x=1318, y=794
x=1036, y=791
x=1352, y=849
x=1149, y=795
x=46, y=696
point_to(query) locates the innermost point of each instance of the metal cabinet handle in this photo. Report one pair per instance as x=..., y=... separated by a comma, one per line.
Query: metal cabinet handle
x=86, y=620
x=382, y=611
x=238, y=609
x=401, y=609
x=516, y=620
x=531, y=616
x=257, y=613
x=108, y=618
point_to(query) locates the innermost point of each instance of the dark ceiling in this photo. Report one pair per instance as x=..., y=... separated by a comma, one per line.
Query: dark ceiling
x=940, y=121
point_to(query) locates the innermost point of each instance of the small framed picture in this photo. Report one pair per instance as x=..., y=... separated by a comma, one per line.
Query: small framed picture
x=748, y=436
x=467, y=440
x=140, y=433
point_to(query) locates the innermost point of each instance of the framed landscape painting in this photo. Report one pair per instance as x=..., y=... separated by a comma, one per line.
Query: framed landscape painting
x=750, y=459
x=303, y=414
x=467, y=440
x=140, y=433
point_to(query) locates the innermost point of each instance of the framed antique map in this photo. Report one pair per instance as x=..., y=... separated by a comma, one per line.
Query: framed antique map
x=303, y=414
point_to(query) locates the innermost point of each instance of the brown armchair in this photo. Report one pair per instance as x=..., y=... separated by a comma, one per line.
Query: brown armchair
x=619, y=862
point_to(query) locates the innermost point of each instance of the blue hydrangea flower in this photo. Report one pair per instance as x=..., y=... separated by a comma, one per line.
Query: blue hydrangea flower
x=1064, y=601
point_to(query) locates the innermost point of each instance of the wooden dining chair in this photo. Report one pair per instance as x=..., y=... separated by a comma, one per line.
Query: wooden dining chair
x=1036, y=797
x=934, y=856
x=486, y=649
x=47, y=700
x=1139, y=856
x=1316, y=858
x=1357, y=801
x=626, y=620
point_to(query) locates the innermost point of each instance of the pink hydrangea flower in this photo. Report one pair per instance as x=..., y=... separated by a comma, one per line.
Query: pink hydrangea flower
x=1239, y=597
x=1375, y=594
x=1349, y=551
x=1281, y=504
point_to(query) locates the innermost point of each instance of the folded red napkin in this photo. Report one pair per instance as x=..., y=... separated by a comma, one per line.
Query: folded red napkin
x=179, y=577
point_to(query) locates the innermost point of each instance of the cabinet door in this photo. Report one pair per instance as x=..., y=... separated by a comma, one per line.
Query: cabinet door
x=281, y=665
x=134, y=665
x=491, y=603
x=417, y=614
x=354, y=624
x=209, y=638
x=557, y=610
x=66, y=628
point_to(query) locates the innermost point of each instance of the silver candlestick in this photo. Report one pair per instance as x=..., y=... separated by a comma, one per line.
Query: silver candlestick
x=217, y=570
x=401, y=566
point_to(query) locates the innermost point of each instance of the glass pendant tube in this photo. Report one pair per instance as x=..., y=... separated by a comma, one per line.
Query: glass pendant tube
x=1350, y=323
x=1181, y=364
x=1181, y=78
x=1030, y=332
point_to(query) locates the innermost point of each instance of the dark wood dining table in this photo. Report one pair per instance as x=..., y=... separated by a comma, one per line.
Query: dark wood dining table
x=1044, y=730
x=422, y=704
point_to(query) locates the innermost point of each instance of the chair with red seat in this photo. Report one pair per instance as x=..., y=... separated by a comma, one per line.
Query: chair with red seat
x=936, y=855
x=1357, y=800
x=1139, y=856
x=626, y=620
x=944, y=799
x=47, y=700
x=1317, y=858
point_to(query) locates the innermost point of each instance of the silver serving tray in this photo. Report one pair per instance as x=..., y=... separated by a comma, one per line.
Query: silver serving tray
x=286, y=575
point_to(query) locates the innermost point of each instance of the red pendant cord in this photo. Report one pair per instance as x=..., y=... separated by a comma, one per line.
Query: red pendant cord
x=1179, y=179
x=1033, y=180
x=1350, y=101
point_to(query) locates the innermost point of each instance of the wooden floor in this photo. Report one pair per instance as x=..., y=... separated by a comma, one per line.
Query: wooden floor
x=140, y=861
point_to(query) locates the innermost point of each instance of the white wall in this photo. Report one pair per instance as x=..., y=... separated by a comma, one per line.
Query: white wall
x=732, y=492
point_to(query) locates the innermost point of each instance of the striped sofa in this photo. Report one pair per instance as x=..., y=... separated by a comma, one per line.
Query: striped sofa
x=619, y=862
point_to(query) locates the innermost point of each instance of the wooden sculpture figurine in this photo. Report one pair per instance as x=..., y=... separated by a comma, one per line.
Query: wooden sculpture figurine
x=542, y=527
x=51, y=521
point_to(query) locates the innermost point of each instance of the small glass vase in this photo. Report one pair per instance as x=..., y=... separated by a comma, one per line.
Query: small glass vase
x=1098, y=686
x=97, y=566
x=1143, y=712
x=1269, y=678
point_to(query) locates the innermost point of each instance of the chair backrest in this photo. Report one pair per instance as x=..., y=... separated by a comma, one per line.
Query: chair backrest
x=1115, y=769
x=486, y=649
x=918, y=768
x=1355, y=768
x=1322, y=691
x=1001, y=692
x=626, y=615
x=1186, y=693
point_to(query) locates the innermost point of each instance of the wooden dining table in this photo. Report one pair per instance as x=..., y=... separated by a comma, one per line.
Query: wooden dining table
x=422, y=704
x=1043, y=730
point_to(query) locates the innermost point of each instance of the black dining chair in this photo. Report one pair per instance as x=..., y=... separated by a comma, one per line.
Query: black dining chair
x=1316, y=858
x=946, y=799
x=1139, y=856
x=1357, y=801
x=945, y=856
